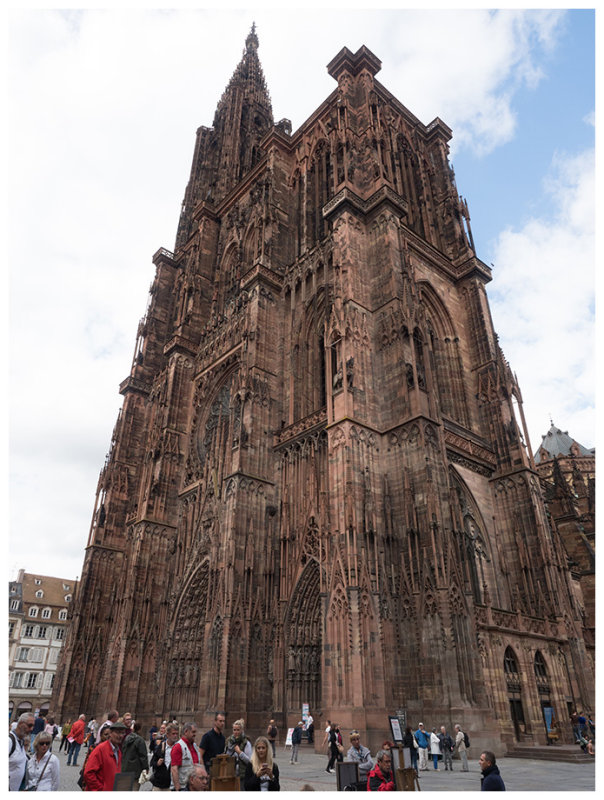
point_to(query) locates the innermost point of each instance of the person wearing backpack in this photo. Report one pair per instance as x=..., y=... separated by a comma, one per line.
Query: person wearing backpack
x=17, y=755
x=272, y=734
x=460, y=746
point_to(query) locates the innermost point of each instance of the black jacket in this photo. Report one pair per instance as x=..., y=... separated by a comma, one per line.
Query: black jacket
x=491, y=780
x=252, y=782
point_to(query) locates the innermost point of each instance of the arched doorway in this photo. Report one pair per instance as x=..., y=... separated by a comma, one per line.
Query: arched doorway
x=303, y=643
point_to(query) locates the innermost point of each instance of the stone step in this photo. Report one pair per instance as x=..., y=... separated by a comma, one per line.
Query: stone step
x=554, y=753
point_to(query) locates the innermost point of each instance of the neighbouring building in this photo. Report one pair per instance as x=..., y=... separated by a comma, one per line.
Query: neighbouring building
x=320, y=487
x=38, y=613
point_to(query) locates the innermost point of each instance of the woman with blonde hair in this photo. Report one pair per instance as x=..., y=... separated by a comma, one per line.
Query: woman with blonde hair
x=261, y=774
x=239, y=746
x=43, y=769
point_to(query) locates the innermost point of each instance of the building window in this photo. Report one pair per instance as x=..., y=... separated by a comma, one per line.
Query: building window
x=68, y=598
x=66, y=587
x=53, y=655
x=46, y=612
x=11, y=628
x=63, y=613
x=29, y=631
x=32, y=680
x=14, y=605
x=33, y=611
x=37, y=654
x=18, y=679
x=42, y=632
x=60, y=633
x=22, y=654
x=39, y=593
x=37, y=581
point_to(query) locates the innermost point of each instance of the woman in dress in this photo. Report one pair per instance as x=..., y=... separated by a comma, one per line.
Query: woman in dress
x=240, y=747
x=43, y=768
x=261, y=774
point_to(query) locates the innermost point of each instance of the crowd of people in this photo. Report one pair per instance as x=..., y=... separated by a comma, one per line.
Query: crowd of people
x=172, y=760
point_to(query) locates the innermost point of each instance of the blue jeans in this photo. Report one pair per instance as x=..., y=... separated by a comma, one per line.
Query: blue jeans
x=74, y=751
x=435, y=760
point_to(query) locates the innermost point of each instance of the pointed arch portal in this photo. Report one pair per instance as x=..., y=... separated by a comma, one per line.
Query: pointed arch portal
x=303, y=642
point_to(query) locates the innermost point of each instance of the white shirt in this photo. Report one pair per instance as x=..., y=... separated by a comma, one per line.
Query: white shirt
x=50, y=778
x=16, y=763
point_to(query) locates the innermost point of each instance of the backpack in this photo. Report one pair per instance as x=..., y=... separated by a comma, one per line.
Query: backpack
x=466, y=740
x=273, y=732
x=13, y=739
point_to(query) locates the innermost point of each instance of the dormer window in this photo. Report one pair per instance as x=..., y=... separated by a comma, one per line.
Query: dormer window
x=37, y=581
x=68, y=598
x=46, y=612
x=33, y=611
x=39, y=593
x=63, y=614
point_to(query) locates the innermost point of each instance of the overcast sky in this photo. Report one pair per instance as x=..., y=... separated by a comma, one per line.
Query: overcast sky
x=103, y=109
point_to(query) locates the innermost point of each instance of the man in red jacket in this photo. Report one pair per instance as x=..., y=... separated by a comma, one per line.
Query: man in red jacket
x=105, y=761
x=76, y=734
x=381, y=779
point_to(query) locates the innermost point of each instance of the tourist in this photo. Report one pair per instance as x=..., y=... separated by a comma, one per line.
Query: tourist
x=64, y=734
x=309, y=726
x=39, y=725
x=239, y=746
x=52, y=730
x=102, y=737
x=446, y=748
x=161, y=760
x=361, y=755
x=76, y=736
x=212, y=743
x=410, y=741
x=326, y=737
x=112, y=716
x=17, y=751
x=261, y=774
x=105, y=761
x=591, y=750
x=435, y=748
x=127, y=720
x=296, y=742
x=42, y=774
x=423, y=740
x=460, y=746
x=334, y=748
x=381, y=778
x=272, y=733
x=491, y=780
x=152, y=731
x=135, y=757
x=198, y=779
x=183, y=756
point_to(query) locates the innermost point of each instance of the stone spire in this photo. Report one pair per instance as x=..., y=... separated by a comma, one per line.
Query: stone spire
x=225, y=153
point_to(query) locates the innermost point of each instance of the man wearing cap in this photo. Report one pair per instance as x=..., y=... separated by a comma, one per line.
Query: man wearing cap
x=105, y=761
x=296, y=742
x=423, y=740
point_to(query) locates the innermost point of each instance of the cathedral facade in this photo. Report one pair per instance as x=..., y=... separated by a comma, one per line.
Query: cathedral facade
x=320, y=488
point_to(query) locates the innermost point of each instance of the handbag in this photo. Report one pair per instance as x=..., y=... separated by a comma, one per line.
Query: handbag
x=340, y=748
x=145, y=776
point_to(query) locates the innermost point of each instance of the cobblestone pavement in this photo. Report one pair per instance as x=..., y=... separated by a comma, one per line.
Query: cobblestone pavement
x=519, y=774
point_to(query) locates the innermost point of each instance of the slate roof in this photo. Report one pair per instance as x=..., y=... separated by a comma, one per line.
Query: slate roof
x=558, y=443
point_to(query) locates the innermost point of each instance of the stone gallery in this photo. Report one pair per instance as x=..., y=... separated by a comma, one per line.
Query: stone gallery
x=320, y=487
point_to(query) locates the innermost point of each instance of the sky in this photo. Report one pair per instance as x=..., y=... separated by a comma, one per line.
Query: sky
x=102, y=112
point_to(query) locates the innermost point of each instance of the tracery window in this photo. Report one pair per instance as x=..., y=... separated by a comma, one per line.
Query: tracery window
x=510, y=667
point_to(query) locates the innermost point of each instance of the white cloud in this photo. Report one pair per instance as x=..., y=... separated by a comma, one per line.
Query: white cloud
x=542, y=300
x=103, y=108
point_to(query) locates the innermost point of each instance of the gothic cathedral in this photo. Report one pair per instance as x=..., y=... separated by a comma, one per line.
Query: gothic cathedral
x=320, y=487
